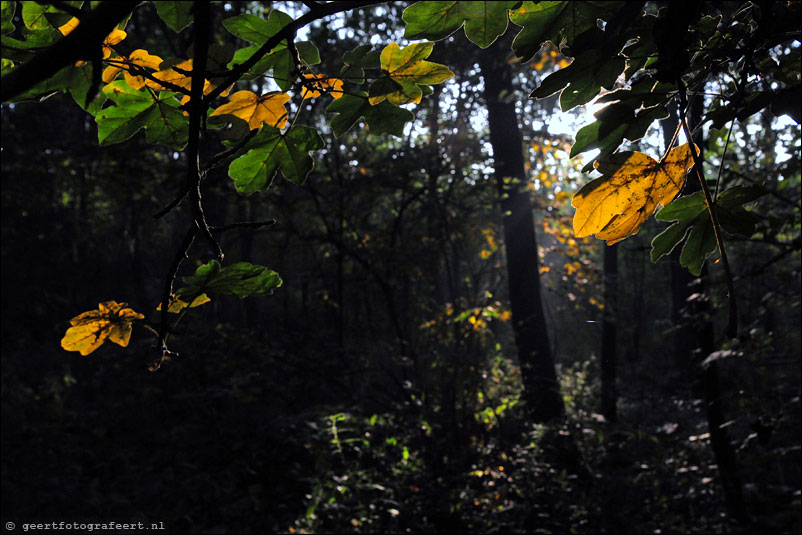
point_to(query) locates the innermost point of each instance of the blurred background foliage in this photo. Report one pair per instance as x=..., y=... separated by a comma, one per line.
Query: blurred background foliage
x=377, y=390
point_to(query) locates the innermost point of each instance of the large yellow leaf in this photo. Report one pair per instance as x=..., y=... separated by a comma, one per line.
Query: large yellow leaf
x=631, y=188
x=409, y=71
x=269, y=108
x=89, y=330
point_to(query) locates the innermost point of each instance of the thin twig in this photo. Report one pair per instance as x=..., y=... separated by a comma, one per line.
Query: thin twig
x=721, y=165
x=223, y=156
x=244, y=224
x=164, y=324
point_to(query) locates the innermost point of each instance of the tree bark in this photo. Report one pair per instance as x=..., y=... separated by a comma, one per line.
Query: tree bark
x=541, y=390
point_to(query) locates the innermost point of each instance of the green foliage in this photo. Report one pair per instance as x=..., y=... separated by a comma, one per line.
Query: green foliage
x=560, y=23
x=157, y=114
x=177, y=15
x=692, y=219
x=383, y=118
x=280, y=60
x=7, y=16
x=240, y=279
x=484, y=21
x=272, y=151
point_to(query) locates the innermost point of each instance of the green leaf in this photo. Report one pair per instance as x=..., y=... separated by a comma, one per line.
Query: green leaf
x=58, y=83
x=690, y=214
x=363, y=56
x=484, y=21
x=270, y=152
x=685, y=211
x=80, y=83
x=557, y=22
x=583, y=79
x=381, y=118
x=256, y=29
x=700, y=244
x=264, y=64
x=34, y=42
x=159, y=116
x=177, y=15
x=356, y=61
x=33, y=15
x=308, y=52
x=241, y=279
x=615, y=123
x=280, y=60
x=7, y=16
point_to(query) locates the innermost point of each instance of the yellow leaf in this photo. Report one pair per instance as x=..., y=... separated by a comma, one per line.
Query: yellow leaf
x=319, y=84
x=408, y=70
x=177, y=305
x=89, y=330
x=269, y=108
x=173, y=76
x=69, y=26
x=110, y=73
x=141, y=58
x=632, y=187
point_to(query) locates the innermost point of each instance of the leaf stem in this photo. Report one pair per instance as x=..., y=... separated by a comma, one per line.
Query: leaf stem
x=732, y=324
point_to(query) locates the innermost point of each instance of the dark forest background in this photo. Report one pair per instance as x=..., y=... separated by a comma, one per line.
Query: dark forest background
x=378, y=390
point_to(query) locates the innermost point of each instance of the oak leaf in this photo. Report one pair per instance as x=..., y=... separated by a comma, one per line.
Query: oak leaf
x=112, y=321
x=631, y=188
x=255, y=110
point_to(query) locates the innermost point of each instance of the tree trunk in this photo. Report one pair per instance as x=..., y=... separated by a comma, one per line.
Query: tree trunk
x=541, y=390
x=609, y=394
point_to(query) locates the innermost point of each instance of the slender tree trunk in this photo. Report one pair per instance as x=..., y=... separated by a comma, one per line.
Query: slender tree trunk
x=609, y=394
x=541, y=390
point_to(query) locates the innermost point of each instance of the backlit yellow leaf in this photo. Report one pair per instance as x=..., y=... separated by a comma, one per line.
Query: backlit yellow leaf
x=269, y=108
x=141, y=58
x=318, y=84
x=172, y=76
x=632, y=187
x=89, y=330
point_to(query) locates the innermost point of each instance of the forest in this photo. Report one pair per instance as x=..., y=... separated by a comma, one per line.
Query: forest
x=401, y=267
